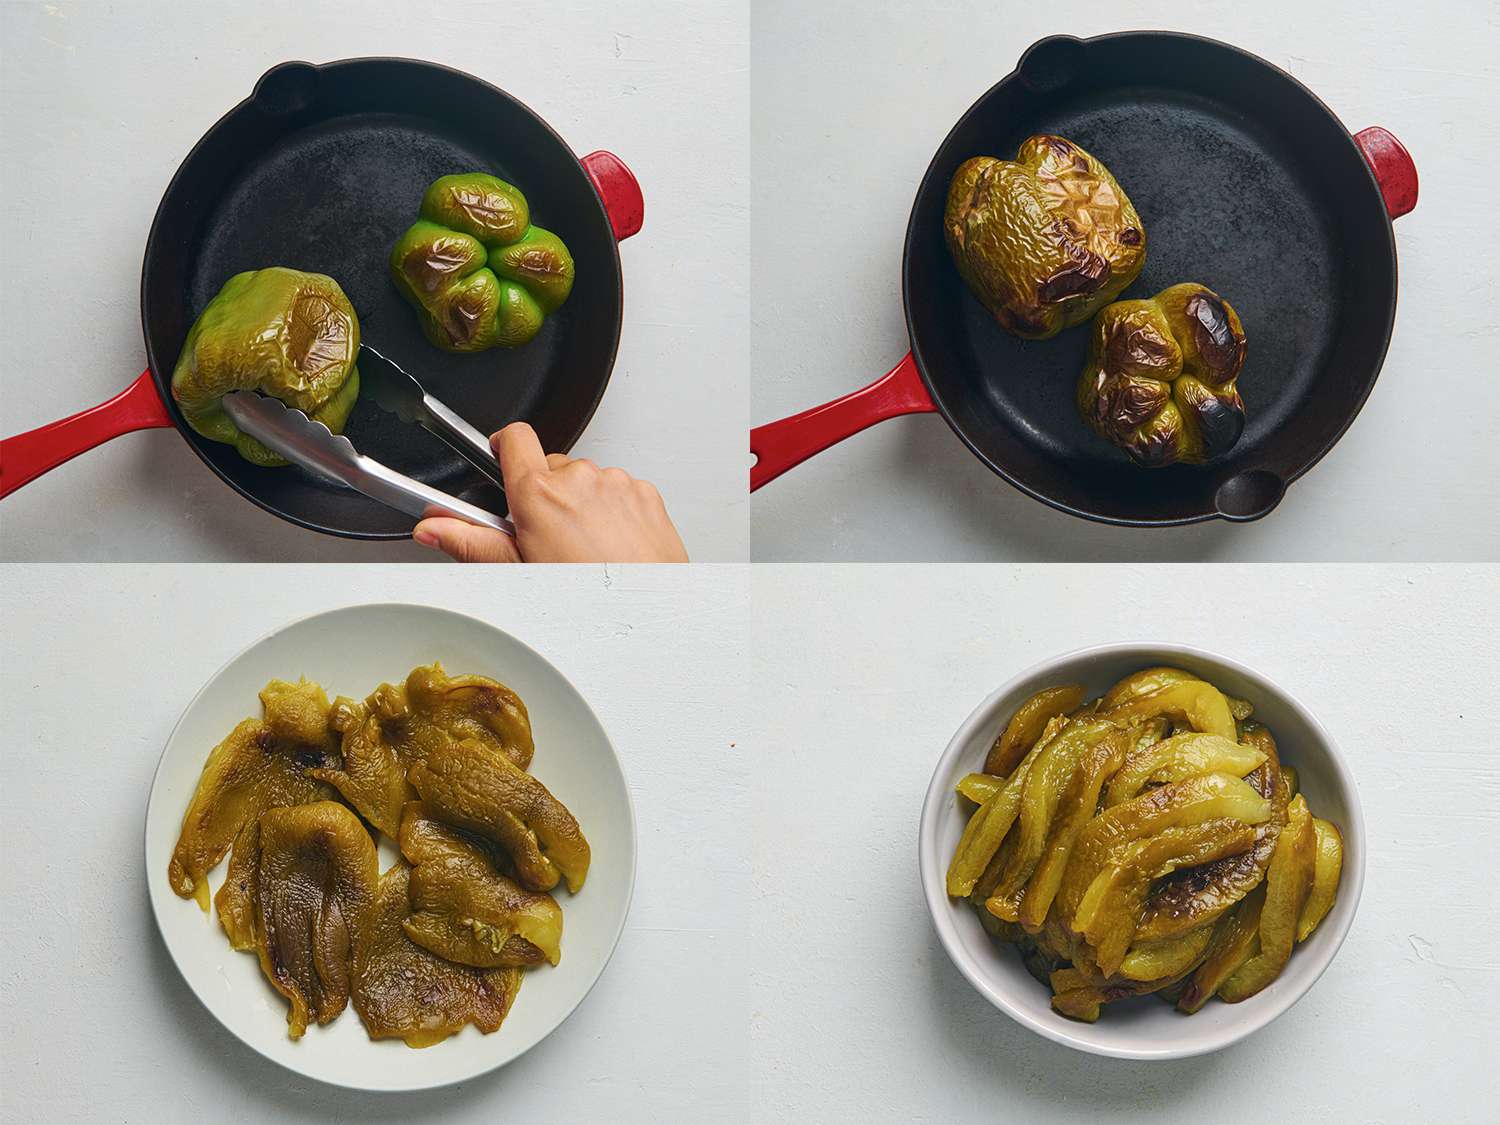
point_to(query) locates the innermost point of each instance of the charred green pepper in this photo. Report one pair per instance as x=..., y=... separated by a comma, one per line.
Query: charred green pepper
x=1045, y=240
x=282, y=332
x=478, y=271
x=1160, y=377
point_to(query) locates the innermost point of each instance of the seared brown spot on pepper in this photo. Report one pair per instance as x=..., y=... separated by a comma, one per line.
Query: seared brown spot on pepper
x=1130, y=236
x=1037, y=239
x=319, y=336
x=429, y=266
x=1221, y=348
x=464, y=316
x=1128, y=403
x=1087, y=274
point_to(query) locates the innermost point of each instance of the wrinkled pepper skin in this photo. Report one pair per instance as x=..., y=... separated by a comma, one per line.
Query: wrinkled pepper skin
x=282, y=332
x=316, y=880
x=403, y=991
x=1044, y=241
x=479, y=273
x=473, y=787
x=1159, y=381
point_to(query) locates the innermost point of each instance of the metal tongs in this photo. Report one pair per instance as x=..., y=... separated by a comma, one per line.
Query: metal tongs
x=332, y=457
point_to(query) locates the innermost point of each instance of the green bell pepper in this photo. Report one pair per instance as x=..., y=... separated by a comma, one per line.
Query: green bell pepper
x=478, y=271
x=285, y=333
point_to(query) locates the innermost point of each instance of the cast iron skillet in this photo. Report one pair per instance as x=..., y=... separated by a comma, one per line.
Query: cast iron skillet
x=322, y=168
x=1245, y=182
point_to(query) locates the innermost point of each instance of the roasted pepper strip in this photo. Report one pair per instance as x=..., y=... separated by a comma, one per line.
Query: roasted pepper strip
x=1079, y=803
x=1191, y=898
x=1026, y=726
x=982, y=855
x=1143, y=683
x=1045, y=783
x=1170, y=958
x=1180, y=804
x=979, y=787
x=1082, y=1001
x=1181, y=756
x=1195, y=702
x=1326, y=869
x=1293, y=782
x=1236, y=938
x=1111, y=907
x=1289, y=881
x=986, y=830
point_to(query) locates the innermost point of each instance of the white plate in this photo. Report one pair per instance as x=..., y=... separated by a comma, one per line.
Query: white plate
x=349, y=651
x=1141, y=1028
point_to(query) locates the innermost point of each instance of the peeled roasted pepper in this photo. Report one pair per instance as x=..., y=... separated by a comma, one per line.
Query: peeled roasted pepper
x=282, y=332
x=1045, y=240
x=479, y=789
x=1160, y=377
x=478, y=271
x=315, y=883
x=262, y=764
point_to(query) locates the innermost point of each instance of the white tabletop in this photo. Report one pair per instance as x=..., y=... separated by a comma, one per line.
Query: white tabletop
x=101, y=101
x=850, y=99
x=101, y=1027
x=858, y=1015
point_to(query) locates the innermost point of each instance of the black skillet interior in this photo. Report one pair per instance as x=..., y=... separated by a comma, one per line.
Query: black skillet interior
x=322, y=169
x=1246, y=183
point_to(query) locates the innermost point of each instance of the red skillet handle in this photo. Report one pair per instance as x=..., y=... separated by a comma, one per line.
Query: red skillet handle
x=617, y=187
x=783, y=445
x=1393, y=168
x=27, y=456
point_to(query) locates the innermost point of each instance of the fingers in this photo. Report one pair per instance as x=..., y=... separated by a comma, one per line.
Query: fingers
x=466, y=542
x=557, y=460
x=519, y=452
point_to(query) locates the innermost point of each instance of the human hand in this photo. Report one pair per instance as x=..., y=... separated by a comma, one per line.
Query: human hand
x=564, y=511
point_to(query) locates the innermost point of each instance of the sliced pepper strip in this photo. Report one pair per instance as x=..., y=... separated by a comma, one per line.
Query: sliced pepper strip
x=1027, y=724
x=1289, y=881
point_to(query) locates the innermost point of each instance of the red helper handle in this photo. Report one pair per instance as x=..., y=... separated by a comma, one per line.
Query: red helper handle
x=27, y=456
x=1393, y=168
x=783, y=445
x=619, y=191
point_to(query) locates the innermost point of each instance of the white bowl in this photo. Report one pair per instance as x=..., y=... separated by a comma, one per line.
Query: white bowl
x=349, y=651
x=1144, y=1027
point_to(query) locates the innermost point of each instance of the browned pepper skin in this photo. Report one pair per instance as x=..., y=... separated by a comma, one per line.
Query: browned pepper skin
x=1044, y=240
x=404, y=991
x=314, y=886
x=263, y=763
x=1160, y=377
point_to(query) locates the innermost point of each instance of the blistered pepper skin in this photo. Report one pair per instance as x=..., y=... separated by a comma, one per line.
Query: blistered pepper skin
x=282, y=332
x=1045, y=240
x=1160, y=379
x=479, y=273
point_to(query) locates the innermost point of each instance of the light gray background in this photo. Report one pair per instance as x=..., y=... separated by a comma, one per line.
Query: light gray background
x=851, y=98
x=101, y=101
x=863, y=674
x=99, y=664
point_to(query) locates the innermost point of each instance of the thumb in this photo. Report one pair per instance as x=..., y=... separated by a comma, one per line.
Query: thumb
x=466, y=542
